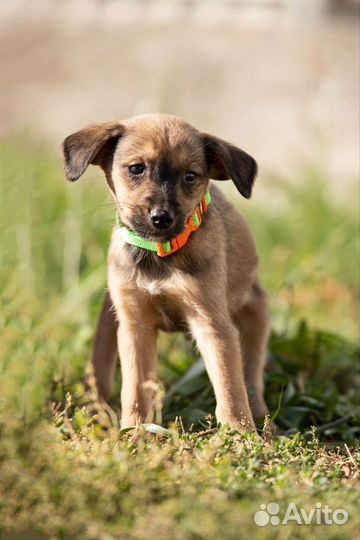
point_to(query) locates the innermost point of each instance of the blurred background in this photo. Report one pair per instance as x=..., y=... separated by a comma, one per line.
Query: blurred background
x=279, y=78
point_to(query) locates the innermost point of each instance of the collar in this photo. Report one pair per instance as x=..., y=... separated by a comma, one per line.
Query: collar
x=167, y=248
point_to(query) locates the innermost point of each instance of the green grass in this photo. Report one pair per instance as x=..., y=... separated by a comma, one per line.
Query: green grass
x=76, y=479
x=66, y=469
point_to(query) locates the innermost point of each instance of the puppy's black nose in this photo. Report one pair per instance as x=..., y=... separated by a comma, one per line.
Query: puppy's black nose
x=162, y=219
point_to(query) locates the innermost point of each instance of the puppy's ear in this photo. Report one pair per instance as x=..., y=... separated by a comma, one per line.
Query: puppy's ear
x=91, y=145
x=225, y=161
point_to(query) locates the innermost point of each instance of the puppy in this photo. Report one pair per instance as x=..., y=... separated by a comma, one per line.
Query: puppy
x=181, y=259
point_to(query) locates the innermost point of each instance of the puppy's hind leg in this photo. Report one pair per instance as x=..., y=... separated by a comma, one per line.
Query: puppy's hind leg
x=105, y=349
x=253, y=323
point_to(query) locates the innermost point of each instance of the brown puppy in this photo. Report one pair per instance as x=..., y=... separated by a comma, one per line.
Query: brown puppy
x=158, y=169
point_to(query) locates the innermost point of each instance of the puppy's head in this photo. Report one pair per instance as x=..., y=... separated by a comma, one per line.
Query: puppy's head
x=158, y=168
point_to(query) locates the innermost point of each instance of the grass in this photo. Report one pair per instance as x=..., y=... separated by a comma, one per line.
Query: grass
x=93, y=482
x=66, y=469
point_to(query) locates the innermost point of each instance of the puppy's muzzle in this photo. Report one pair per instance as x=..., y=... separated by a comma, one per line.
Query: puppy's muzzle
x=162, y=219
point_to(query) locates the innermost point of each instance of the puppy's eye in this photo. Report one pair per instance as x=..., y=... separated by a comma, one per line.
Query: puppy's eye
x=137, y=169
x=190, y=177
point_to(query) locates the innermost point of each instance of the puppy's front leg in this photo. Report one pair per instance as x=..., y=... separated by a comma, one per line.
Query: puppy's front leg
x=137, y=338
x=218, y=342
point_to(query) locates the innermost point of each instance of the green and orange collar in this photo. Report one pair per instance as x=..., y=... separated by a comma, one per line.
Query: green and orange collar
x=168, y=248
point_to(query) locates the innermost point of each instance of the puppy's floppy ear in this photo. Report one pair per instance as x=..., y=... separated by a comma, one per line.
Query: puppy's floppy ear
x=225, y=161
x=91, y=145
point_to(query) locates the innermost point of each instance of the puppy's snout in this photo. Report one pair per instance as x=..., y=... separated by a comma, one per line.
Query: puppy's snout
x=161, y=219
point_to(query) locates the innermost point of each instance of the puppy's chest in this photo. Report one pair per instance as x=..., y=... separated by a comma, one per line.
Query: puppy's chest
x=165, y=302
x=153, y=287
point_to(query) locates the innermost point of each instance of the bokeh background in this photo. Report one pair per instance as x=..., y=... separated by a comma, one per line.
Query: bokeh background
x=279, y=77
